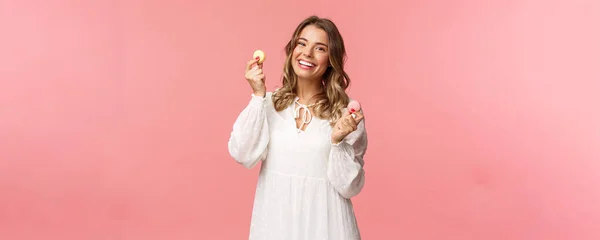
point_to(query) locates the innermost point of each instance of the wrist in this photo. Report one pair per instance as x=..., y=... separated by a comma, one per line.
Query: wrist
x=260, y=93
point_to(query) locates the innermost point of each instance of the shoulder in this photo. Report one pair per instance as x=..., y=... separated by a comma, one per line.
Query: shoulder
x=275, y=94
x=268, y=100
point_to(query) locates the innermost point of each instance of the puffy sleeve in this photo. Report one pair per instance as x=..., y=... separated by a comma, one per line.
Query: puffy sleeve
x=345, y=168
x=249, y=139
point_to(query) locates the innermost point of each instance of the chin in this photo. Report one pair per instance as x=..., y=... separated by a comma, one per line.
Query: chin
x=307, y=75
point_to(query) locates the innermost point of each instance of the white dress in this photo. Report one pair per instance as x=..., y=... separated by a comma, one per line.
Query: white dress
x=305, y=182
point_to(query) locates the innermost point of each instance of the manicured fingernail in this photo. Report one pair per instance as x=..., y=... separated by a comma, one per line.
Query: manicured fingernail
x=257, y=58
x=352, y=110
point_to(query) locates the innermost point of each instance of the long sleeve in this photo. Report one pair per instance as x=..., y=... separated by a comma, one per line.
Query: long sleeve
x=345, y=168
x=249, y=140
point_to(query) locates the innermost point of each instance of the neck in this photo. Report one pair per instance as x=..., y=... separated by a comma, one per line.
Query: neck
x=306, y=89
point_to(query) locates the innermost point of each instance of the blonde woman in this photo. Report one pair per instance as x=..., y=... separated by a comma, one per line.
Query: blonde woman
x=310, y=146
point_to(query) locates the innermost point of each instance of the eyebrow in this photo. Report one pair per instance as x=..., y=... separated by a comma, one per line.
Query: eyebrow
x=318, y=43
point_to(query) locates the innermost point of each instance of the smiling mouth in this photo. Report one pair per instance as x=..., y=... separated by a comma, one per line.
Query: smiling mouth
x=305, y=64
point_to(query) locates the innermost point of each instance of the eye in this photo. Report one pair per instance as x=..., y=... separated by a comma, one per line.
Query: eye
x=301, y=44
x=321, y=49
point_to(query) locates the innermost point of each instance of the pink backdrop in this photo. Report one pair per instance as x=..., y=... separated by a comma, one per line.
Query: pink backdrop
x=483, y=118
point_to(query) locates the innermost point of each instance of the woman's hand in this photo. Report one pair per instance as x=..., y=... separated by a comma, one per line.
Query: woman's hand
x=345, y=125
x=256, y=77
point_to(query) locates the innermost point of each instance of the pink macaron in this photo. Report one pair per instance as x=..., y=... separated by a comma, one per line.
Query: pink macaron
x=353, y=106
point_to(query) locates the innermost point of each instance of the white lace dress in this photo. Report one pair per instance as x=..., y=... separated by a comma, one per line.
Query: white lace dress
x=305, y=182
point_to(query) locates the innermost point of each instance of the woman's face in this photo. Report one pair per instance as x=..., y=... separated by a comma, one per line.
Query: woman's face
x=310, y=58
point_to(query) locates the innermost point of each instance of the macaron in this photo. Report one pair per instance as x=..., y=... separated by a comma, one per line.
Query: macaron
x=260, y=55
x=353, y=106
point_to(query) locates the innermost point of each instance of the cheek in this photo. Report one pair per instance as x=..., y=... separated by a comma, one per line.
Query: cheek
x=324, y=61
x=296, y=52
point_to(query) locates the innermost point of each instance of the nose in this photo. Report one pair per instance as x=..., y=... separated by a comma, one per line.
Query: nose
x=307, y=53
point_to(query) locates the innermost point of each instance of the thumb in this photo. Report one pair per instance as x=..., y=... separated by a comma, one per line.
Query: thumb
x=359, y=117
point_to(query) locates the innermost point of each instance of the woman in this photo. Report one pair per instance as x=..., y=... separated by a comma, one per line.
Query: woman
x=310, y=146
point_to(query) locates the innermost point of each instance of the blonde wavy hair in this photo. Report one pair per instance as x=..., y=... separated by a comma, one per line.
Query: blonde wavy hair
x=333, y=99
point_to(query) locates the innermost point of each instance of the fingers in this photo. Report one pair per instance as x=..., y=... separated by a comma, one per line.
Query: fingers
x=345, y=113
x=346, y=129
x=346, y=126
x=359, y=116
x=350, y=123
x=254, y=72
x=259, y=77
x=350, y=120
x=250, y=63
x=255, y=75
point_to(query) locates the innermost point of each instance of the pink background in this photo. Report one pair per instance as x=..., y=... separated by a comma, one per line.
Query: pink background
x=483, y=116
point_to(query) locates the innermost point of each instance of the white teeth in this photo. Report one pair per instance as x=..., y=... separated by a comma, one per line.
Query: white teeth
x=306, y=63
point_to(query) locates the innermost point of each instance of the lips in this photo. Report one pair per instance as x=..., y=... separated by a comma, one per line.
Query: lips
x=306, y=64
